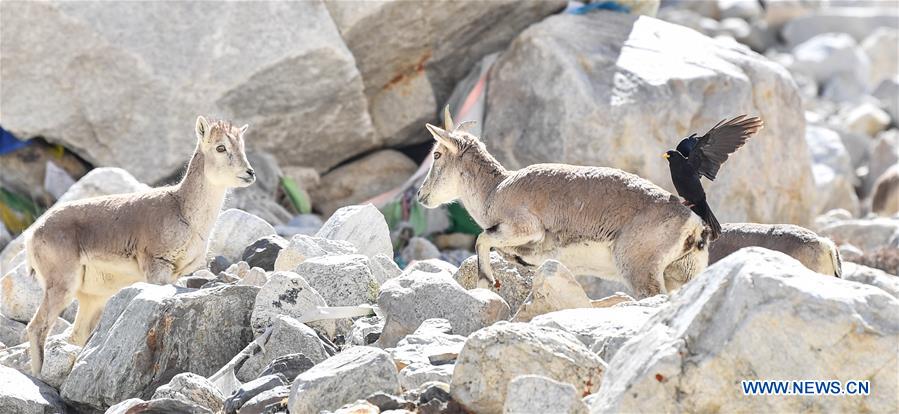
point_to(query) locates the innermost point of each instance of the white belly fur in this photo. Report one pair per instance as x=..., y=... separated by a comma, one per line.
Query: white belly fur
x=583, y=259
x=105, y=277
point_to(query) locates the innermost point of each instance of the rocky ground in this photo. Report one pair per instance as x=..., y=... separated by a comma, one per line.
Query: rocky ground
x=309, y=313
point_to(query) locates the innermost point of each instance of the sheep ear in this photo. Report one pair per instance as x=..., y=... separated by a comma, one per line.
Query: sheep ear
x=447, y=119
x=443, y=138
x=244, y=129
x=202, y=127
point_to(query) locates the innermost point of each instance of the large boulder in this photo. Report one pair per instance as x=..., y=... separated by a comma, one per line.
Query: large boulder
x=617, y=90
x=363, y=226
x=411, y=53
x=346, y=377
x=22, y=394
x=234, y=231
x=757, y=315
x=344, y=280
x=412, y=298
x=603, y=330
x=103, y=181
x=494, y=356
x=362, y=179
x=150, y=333
x=133, y=77
x=828, y=55
x=870, y=276
x=21, y=294
x=868, y=235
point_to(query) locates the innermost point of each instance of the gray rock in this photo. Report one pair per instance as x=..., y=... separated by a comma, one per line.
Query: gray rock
x=538, y=394
x=192, y=388
x=830, y=54
x=416, y=374
x=159, y=331
x=871, y=276
x=747, y=301
x=431, y=266
x=287, y=293
x=288, y=337
x=234, y=231
x=638, y=92
x=59, y=357
x=366, y=330
x=555, y=288
x=602, y=330
x=162, y=405
x=867, y=235
x=419, y=248
x=383, y=268
x=302, y=247
x=598, y=288
x=271, y=401
x=103, y=181
x=288, y=366
x=360, y=180
x=887, y=91
x=866, y=118
x=517, y=280
x=263, y=252
x=344, y=280
x=494, y=356
x=12, y=332
x=431, y=341
x=858, y=22
x=275, y=87
x=363, y=226
x=412, y=298
x=22, y=394
x=881, y=50
x=884, y=154
x=832, y=168
x=411, y=54
x=250, y=390
x=259, y=198
x=348, y=376
x=21, y=294
x=12, y=255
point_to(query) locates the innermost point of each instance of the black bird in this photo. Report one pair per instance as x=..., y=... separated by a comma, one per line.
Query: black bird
x=703, y=156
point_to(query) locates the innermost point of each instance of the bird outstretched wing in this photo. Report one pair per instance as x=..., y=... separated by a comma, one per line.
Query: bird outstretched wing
x=713, y=148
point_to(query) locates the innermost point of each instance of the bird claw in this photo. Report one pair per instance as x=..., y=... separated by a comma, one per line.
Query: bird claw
x=687, y=203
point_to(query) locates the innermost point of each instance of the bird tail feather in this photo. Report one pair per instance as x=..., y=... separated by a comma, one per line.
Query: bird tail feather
x=703, y=210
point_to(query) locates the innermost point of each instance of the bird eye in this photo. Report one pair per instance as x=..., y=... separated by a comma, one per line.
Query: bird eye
x=220, y=148
x=437, y=155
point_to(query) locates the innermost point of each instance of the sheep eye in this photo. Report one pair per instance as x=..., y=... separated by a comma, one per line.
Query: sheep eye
x=437, y=155
x=220, y=148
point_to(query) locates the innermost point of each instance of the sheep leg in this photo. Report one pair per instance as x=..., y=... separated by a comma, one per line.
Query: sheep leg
x=55, y=300
x=517, y=232
x=90, y=307
x=159, y=271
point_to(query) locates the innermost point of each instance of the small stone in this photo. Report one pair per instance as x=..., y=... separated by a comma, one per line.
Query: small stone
x=22, y=394
x=234, y=230
x=59, y=357
x=288, y=337
x=192, y=388
x=287, y=293
x=419, y=248
x=271, y=401
x=264, y=251
x=288, y=366
x=250, y=390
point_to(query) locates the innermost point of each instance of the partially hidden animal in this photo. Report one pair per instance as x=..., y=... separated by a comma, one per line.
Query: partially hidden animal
x=703, y=156
x=597, y=221
x=90, y=249
x=813, y=251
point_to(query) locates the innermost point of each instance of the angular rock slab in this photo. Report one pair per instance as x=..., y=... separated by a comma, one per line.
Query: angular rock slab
x=494, y=356
x=262, y=66
x=517, y=280
x=149, y=333
x=346, y=377
x=412, y=298
x=361, y=225
x=757, y=315
x=302, y=247
x=344, y=280
x=22, y=394
x=617, y=90
x=192, y=388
